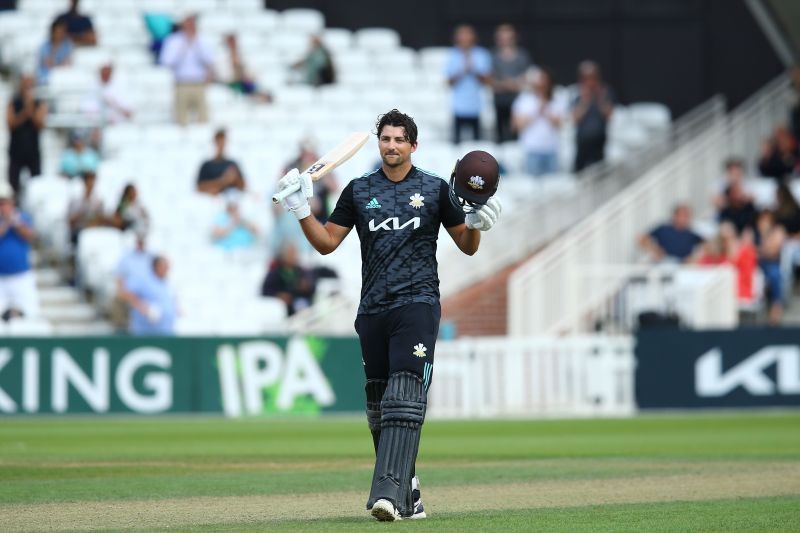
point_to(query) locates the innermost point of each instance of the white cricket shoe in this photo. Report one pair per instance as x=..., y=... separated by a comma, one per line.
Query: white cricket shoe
x=385, y=511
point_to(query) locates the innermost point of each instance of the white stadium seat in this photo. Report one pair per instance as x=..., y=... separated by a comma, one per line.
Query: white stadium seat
x=377, y=39
x=651, y=115
x=23, y=327
x=337, y=39
x=308, y=21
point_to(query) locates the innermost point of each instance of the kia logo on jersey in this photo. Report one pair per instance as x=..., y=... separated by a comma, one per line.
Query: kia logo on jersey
x=394, y=224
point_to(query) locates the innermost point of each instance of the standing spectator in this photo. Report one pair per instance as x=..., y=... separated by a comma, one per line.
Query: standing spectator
x=107, y=103
x=130, y=214
x=675, y=242
x=242, y=82
x=289, y=281
x=152, y=302
x=772, y=242
x=468, y=67
x=316, y=67
x=779, y=155
x=79, y=27
x=55, y=52
x=220, y=173
x=739, y=209
x=25, y=116
x=134, y=264
x=509, y=64
x=78, y=157
x=191, y=60
x=591, y=112
x=86, y=211
x=17, y=283
x=231, y=231
x=538, y=116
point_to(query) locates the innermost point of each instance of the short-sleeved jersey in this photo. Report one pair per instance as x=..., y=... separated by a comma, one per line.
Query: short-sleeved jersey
x=398, y=225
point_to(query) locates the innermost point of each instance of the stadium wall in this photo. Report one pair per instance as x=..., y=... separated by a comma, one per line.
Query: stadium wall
x=680, y=52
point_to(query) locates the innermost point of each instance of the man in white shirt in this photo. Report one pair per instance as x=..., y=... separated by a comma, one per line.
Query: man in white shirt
x=191, y=60
x=107, y=102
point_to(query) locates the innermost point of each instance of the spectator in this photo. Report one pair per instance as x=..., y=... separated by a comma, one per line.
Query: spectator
x=130, y=213
x=739, y=209
x=316, y=68
x=734, y=175
x=25, y=116
x=152, y=302
x=537, y=116
x=772, y=241
x=467, y=68
x=323, y=189
x=107, y=103
x=779, y=155
x=591, y=111
x=78, y=157
x=242, y=82
x=86, y=211
x=289, y=281
x=728, y=249
x=79, y=27
x=220, y=173
x=675, y=241
x=17, y=284
x=55, y=52
x=134, y=265
x=794, y=114
x=231, y=231
x=787, y=210
x=509, y=64
x=191, y=60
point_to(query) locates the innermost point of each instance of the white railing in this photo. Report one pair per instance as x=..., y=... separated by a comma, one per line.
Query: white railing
x=541, y=297
x=521, y=233
x=615, y=295
x=533, y=377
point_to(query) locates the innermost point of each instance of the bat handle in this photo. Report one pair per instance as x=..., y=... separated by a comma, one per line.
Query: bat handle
x=280, y=195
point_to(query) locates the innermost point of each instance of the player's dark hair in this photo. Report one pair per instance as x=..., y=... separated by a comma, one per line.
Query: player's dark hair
x=398, y=119
x=220, y=133
x=732, y=162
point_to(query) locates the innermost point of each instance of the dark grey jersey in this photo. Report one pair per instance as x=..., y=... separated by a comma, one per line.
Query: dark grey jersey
x=398, y=224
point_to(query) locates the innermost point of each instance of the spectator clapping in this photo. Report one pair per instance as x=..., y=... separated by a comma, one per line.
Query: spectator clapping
x=25, y=116
x=55, y=52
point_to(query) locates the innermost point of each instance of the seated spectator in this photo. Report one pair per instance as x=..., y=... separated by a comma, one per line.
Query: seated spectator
x=289, y=281
x=18, y=294
x=79, y=26
x=779, y=155
x=130, y=213
x=323, y=189
x=55, y=52
x=316, y=68
x=591, y=111
x=231, y=231
x=220, y=173
x=25, y=116
x=739, y=209
x=133, y=265
x=86, y=211
x=191, y=60
x=242, y=82
x=726, y=248
x=675, y=241
x=152, y=302
x=537, y=116
x=772, y=241
x=734, y=175
x=78, y=158
x=107, y=102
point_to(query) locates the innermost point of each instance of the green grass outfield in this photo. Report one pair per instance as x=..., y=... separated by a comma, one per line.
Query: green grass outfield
x=704, y=472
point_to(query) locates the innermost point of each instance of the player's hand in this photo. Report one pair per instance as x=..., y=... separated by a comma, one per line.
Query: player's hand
x=297, y=202
x=484, y=218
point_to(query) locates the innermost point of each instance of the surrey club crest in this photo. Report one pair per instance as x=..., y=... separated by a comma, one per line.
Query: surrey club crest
x=419, y=350
x=476, y=182
x=416, y=201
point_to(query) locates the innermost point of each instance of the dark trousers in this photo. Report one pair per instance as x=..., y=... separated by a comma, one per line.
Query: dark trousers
x=15, y=166
x=502, y=113
x=471, y=123
x=589, y=151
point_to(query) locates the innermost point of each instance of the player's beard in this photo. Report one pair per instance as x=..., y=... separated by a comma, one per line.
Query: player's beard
x=394, y=162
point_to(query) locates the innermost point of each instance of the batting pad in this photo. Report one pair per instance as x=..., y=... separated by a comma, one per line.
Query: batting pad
x=403, y=412
x=375, y=389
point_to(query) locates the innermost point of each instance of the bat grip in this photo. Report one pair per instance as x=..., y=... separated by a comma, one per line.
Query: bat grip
x=280, y=195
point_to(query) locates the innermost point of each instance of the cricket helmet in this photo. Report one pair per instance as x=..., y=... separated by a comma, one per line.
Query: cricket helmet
x=474, y=179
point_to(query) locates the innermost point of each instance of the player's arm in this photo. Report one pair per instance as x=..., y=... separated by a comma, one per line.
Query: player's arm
x=466, y=239
x=324, y=239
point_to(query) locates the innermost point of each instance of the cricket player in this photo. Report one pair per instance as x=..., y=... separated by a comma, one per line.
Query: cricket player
x=397, y=210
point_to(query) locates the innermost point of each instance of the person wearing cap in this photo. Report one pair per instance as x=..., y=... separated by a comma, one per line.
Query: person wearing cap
x=78, y=157
x=191, y=60
x=17, y=283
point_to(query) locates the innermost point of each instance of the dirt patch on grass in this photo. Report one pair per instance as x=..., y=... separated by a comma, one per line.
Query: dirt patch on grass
x=706, y=481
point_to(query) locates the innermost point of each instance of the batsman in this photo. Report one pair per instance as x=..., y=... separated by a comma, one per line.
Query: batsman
x=397, y=210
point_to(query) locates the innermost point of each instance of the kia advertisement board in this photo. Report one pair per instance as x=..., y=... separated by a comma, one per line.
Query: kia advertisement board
x=747, y=367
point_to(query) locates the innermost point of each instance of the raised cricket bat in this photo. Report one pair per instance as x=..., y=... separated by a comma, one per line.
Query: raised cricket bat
x=329, y=161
